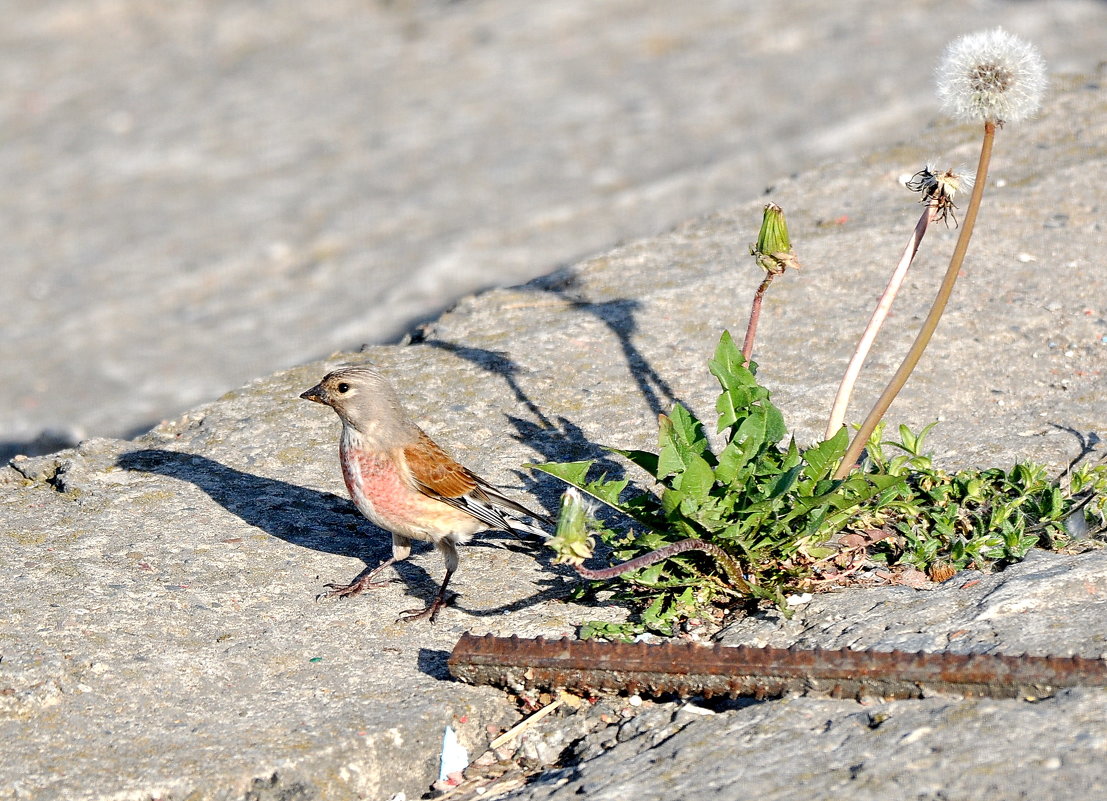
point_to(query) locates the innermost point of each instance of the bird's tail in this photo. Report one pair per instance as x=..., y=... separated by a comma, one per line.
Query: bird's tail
x=509, y=511
x=517, y=526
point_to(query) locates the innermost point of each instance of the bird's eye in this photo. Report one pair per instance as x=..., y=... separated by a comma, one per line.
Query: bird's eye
x=343, y=388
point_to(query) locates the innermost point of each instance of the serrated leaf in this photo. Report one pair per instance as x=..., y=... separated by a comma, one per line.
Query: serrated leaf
x=731, y=460
x=570, y=472
x=670, y=456
x=576, y=473
x=741, y=395
x=648, y=576
x=785, y=482
x=822, y=458
x=728, y=412
x=775, y=430
x=679, y=438
x=752, y=432
x=736, y=380
x=644, y=459
x=670, y=500
x=620, y=632
x=608, y=492
x=727, y=364
x=792, y=456
x=697, y=480
x=749, y=438
x=688, y=429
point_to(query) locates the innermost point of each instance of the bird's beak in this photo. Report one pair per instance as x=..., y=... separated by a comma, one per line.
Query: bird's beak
x=316, y=394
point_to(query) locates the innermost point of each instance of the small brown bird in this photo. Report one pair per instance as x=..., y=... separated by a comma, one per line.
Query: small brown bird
x=405, y=483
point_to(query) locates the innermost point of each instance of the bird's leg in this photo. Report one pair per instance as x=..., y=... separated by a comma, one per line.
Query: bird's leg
x=401, y=547
x=449, y=553
x=431, y=612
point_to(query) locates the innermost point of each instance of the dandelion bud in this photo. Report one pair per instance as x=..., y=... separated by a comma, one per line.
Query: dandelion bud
x=773, y=250
x=572, y=542
x=991, y=76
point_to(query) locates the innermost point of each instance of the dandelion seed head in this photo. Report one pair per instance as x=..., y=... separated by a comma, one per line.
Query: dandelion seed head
x=992, y=76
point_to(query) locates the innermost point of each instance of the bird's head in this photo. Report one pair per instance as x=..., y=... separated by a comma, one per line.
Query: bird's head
x=364, y=400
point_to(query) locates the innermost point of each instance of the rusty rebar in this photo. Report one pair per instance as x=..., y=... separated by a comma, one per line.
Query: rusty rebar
x=691, y=669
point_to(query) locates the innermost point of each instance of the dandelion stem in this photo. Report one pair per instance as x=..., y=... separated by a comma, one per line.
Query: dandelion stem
x=883, y=306
x=725, y=560
x=755, y=316
x=773, y=253
x=923, y=339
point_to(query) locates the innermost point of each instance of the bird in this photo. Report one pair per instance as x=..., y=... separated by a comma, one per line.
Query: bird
x=405, y=483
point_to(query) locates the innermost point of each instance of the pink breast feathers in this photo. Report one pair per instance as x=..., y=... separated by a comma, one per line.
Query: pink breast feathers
x=376, y=488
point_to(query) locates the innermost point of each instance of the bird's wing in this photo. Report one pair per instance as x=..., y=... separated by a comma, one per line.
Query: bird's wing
x=500, y=499
x=435, y=474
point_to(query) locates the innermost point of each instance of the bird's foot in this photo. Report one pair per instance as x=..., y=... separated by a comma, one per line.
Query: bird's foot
x=428, y=614
x=364, y=581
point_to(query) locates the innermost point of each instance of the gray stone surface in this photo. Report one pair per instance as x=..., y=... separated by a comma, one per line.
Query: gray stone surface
x=812, y=748
x=199, y=193
x=161, y=631
x=1016, y=370
x=162, y=637
x=1048, y=604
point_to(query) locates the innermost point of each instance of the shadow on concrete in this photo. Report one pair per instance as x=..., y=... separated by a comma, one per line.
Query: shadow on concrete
x=619, y=316
x=558, y=439
x=496, y=362
x=554, y=439
x=1087, y=442
x=433, y=663
x=321, y=521
x=305, y=517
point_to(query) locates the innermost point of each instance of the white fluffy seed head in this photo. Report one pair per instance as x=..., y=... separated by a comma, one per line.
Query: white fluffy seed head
x=991, y=76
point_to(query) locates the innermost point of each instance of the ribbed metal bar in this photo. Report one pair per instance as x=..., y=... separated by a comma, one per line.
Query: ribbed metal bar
x=691, y=669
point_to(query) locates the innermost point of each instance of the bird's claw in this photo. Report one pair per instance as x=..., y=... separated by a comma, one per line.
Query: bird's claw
x=351, y=589
x=428, y=614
